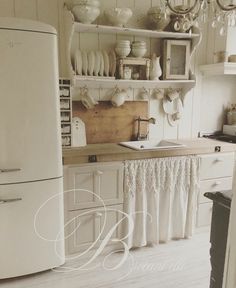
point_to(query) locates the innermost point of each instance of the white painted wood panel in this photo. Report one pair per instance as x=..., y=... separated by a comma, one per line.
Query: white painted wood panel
x=48, y=12
x=156, y=131
x=204, y=214
x=217, y=165
x=89, y=227
x=185, y=126
x=7, y=8
x=90, y=185
x=214, y=185
x=26, y=9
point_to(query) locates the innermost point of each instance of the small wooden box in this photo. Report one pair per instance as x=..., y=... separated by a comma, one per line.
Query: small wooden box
x=137, y=65
x=176, y=59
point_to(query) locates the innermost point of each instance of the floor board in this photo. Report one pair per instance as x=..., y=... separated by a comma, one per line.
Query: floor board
x=183, y=263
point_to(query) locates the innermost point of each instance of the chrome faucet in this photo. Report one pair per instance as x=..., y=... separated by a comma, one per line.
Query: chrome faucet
x=139, y=119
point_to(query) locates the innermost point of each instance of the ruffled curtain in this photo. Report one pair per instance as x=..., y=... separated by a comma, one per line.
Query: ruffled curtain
x=161, y=198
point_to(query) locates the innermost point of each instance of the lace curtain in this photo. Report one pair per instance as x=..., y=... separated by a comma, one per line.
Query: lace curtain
x=161, y=198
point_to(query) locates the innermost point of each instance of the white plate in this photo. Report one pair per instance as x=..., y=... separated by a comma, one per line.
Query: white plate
x=78, y=62
x=106, y=63
x=97, y=63
x=91, y=62
x=171, y=107
x=112, y=61
x=101, y=71
x=85, y=63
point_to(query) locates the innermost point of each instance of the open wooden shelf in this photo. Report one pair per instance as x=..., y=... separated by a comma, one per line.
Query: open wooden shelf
x=225, y=68
x=93, y=28
x=103, y=83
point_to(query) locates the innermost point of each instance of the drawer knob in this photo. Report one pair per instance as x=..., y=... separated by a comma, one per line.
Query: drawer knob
x=98, y=173
x=219, y=160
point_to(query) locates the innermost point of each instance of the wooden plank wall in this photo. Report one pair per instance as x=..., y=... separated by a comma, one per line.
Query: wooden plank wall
x=108, y=124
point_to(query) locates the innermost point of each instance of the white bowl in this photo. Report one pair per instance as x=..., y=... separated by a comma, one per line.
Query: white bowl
x=85, y=14
x=94, y=3
x=139, y=43
x=118, y=16
x=139, y=46
x=139, y=52
x=123, y=43
x=122, y=51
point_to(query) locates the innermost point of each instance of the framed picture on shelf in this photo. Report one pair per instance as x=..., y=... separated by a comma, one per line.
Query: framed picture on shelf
x=176, y=59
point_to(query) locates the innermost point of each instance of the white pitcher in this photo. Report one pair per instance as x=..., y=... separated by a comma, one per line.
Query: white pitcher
x=155, y=68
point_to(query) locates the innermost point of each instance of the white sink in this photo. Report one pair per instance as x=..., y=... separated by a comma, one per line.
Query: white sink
x=151, y=145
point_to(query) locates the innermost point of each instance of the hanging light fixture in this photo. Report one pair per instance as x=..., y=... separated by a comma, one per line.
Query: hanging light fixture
x=197, y=11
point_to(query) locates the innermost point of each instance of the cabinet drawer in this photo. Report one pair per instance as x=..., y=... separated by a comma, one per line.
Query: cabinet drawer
x=90, y=185
x=204, y=214
x=87, y=228
x=217, y=165
x=214, y=185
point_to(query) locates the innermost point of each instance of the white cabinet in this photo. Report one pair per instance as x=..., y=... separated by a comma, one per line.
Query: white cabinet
x=216, y=174
x=94, y=225
x=94, y=196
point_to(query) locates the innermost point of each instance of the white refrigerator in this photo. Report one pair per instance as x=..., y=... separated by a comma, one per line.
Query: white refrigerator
x=31, y=186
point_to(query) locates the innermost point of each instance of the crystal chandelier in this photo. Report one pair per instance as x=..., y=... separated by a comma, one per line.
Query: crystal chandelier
x=194, y=12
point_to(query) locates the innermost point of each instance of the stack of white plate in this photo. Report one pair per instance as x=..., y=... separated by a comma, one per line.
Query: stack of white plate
x=95, y=63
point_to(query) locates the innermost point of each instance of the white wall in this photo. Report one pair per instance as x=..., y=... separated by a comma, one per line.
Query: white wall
x=203, y=107
x=217, y=92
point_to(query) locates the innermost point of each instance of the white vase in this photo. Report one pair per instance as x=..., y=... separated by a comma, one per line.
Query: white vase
x=155, y=68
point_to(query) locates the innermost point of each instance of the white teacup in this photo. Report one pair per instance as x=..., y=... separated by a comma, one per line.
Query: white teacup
x=144, y=94
x=158, y=94
x=118, y=98
x=172, y=95
x=88, y=101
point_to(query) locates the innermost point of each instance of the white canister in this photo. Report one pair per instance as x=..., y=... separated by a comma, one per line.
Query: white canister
x=127, y=73
x=78, y=133
x=231, y=118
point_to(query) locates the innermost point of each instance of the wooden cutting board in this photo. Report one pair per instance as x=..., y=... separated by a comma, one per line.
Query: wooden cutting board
x=108, y=124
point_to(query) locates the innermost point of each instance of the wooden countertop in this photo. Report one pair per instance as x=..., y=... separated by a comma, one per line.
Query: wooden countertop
x=115, y=152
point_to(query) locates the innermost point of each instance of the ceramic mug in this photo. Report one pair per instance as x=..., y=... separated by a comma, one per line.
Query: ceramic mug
x=158, y=94
x=118, y=97
x=172, y=95
x=144, y=94
x=88, y=100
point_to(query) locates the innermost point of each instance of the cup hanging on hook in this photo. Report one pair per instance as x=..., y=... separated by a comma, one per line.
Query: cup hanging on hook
x=144, y=94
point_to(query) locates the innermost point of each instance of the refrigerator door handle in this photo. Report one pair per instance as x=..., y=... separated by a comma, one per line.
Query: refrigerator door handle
x=5, y=201
x=10, y=170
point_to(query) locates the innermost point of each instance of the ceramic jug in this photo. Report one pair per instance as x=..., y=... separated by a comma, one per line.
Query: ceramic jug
x=155, y=68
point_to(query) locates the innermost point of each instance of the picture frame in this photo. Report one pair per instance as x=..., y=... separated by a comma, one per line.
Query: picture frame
x=176, y=59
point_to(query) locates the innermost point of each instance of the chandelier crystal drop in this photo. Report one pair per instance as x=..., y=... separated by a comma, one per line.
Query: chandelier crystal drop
x=219, y=12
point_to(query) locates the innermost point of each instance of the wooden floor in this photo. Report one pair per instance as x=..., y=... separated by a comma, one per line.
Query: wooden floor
x=183, y=263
